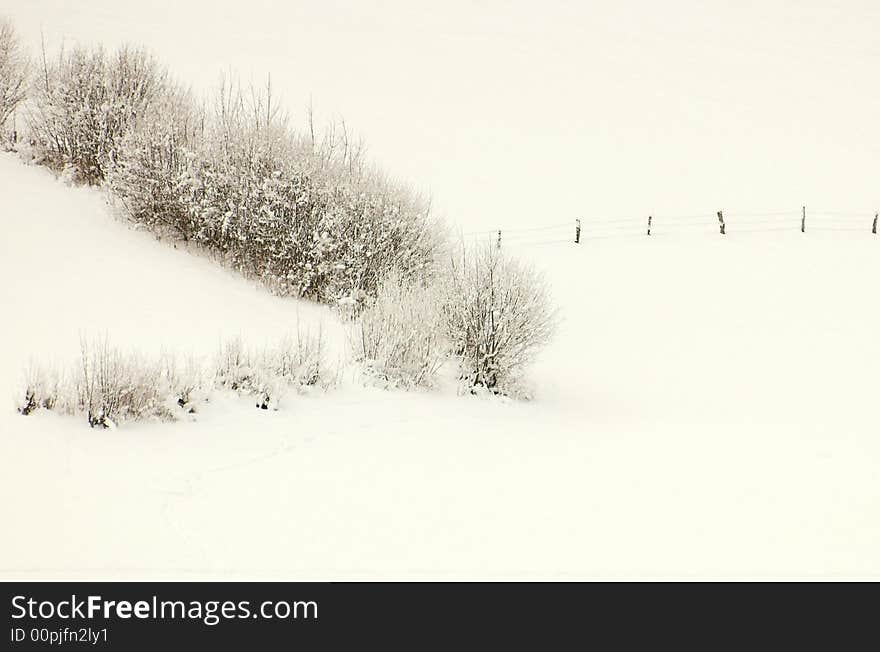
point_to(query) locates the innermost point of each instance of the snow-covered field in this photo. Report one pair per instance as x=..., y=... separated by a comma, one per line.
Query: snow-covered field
x=708, y=409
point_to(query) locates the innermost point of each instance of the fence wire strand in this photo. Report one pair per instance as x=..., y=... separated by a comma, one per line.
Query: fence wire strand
x=619, y=227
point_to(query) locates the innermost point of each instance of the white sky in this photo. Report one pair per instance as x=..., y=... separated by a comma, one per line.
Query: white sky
x=531, y=113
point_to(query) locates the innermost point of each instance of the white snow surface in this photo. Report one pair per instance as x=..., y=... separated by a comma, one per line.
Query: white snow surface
x=709, y=409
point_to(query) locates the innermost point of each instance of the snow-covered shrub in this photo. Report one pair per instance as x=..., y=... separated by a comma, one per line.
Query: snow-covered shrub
x=306, y=219
x=251, y=202
x=44, y=389
x=186, y=382
x=295, y=363
x=113, y=388
x=236, y=369
x=84, y=102
x=14, y=70
x=398, y=336
x=497, y=314
x=299, y=358
x=155, y=175
x=368, y=227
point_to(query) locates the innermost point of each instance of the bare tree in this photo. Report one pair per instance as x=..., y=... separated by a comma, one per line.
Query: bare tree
x=497, y=314
x=14, y=68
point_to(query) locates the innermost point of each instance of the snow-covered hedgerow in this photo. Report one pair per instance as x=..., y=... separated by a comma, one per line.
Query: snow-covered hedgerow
x=83, y=103
x=107, y=386
x=14, y=71
x=110, y=387
x=397, y=336
x=303, y=213
x=497, y=314
x=306, y=218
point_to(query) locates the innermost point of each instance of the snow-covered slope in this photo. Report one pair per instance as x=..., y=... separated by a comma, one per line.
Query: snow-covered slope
x=708, y=409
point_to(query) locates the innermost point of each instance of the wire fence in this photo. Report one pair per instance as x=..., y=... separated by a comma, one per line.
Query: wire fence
x=721, y=222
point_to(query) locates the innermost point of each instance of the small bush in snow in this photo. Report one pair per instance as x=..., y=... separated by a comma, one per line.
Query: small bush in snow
x=300, y=359
x=185, y=381
x=113, y=388
x=496, y=314
x=235, y=367
x=14, y=69
x=398, y=336
x=295, y=363
x=43, y=390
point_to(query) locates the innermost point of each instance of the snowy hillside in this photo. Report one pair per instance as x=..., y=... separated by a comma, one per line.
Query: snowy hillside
x=708, y=409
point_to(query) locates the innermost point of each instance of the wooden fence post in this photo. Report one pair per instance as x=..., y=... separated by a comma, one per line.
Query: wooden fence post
x=577, y=230
x=803, y=219
x=649, y=225
x=874, y=228
x=721, y=222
